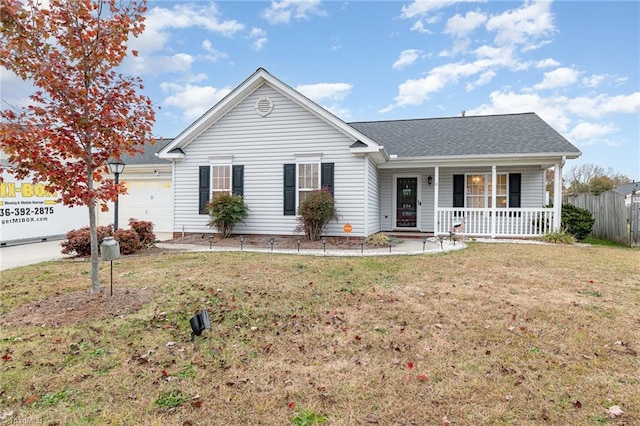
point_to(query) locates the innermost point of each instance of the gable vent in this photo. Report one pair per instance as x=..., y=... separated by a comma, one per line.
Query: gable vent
x=264, y=106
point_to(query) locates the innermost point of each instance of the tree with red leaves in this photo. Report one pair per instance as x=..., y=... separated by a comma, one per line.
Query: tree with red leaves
x=83, y=113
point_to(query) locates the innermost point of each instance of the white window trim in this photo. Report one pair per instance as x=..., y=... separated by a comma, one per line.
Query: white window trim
x=487, y=189
x=220, y=161
x=307, y=158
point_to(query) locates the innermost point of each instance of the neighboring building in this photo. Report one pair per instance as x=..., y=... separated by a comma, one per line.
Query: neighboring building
x=627, y=190
x=29, y=213
x=271, y=144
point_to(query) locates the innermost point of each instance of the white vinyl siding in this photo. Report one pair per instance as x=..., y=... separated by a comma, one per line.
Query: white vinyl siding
x=373, y=199
x=263, y=145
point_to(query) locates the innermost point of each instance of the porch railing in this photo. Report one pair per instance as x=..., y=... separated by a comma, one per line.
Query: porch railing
x=509, y=222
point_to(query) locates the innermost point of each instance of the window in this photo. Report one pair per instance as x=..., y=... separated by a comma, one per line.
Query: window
x=303, y=177
x=479, y=191
x=220, y=180
x=308, y=179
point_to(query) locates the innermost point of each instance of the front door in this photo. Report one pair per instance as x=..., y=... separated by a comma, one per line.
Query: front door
x=407, y=202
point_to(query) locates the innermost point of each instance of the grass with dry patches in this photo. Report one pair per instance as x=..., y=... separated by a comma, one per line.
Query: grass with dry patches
x=495, y=334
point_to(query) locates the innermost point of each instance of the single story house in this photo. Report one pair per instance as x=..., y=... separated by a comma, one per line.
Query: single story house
x=272, y=145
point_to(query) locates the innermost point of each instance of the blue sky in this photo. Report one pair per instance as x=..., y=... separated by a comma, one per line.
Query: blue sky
x=575, y=63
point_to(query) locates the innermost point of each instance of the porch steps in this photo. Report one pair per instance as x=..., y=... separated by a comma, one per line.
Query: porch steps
x=409, y=235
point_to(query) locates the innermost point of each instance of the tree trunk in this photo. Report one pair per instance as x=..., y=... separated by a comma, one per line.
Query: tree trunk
x=93, y=231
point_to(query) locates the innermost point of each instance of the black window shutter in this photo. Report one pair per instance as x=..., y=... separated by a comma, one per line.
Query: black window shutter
x=326, y=177
x=458, y=190
x=515, y=180
x=237, y=180
x=289, y=189
x=203, y=187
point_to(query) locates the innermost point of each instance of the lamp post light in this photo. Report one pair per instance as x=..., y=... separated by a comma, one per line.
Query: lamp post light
x=361, y=245
x=271, y=241
x=210, y=242
x=324, y=244
x=298, y=242
x=424, y=242
x=241, y=241
x=116, y=168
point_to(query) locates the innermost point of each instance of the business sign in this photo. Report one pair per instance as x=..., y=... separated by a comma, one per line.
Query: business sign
x=29, y=212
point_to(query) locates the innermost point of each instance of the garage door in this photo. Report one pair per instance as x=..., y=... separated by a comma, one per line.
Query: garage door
x=146, y=199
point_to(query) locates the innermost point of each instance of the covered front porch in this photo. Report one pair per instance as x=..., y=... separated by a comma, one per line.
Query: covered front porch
x=499, y=200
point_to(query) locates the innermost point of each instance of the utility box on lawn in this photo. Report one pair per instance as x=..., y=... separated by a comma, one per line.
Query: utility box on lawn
x=110, y=249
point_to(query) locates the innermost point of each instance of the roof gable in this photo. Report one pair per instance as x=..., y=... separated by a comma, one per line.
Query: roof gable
x=251, y=84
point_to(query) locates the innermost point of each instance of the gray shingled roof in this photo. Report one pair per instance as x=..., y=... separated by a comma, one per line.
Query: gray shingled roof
x=471, y=135
x=149, y=154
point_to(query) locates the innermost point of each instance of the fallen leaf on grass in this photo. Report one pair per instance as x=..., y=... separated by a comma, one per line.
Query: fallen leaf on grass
x=615, y=411
x=423, y=377
x=410, y=365
x=291, y=405
x=577, y=404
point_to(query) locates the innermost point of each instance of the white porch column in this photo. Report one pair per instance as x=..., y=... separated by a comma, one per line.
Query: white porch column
x=436, y=190
x=493, y=200
x=557, y=196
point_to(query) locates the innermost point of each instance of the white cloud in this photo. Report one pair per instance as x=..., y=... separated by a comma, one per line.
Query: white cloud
x=425, y=7
x=407, y=57
x=485, y=78
x=560, y=77
x=419, y=27
x=192, y=100
x=258, y=37
x=594, y=80
x=212, y=54
x=460, y=26
x=417, y=91
x=525, y=25
x=283, y=11
x=157, y=35
x=561, y=112
x=547, y=63
x=585, y=131
x=321, y=91
x=154, y=65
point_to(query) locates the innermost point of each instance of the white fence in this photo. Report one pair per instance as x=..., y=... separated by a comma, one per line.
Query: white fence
x=516, y=222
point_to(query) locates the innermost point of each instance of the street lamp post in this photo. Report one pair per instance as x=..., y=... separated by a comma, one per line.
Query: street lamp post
x=116, y=168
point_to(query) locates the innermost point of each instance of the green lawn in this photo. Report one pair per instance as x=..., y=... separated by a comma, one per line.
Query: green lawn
x=494, y=334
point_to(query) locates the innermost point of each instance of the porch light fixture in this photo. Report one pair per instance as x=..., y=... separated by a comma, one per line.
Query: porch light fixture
x=116, y=168
x=430, y=180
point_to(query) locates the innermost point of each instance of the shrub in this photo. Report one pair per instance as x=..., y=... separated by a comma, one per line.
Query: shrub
x=315, y=211
x=377, y=240
x=577, y=221
x=129, y=241
x=78, y=241
x=144, y=229
x=225, y=211
x=559, y=237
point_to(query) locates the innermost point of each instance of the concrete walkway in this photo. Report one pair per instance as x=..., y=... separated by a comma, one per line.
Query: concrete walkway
x=32, y=253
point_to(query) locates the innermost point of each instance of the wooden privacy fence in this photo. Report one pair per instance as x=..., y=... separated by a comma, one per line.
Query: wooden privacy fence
x=608, y=210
